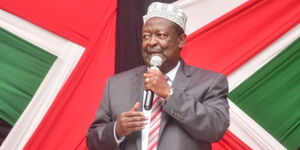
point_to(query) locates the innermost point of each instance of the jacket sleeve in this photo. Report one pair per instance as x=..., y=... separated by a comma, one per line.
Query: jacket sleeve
x=100, y=134
x=205, y=118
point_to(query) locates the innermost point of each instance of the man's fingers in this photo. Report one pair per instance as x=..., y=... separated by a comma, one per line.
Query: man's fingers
x=130, y=121
x=136, y=129
x=136, y=107
x=132, y=114
x=129, y=125
x=151, y=71
x=127, y=128
x=134, y=119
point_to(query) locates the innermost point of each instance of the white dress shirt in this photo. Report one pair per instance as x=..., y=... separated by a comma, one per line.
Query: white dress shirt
x=145, y=132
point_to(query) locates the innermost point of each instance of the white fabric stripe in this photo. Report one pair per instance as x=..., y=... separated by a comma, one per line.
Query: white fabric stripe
x=68, y=54
x=243, y=125
x=202, y=12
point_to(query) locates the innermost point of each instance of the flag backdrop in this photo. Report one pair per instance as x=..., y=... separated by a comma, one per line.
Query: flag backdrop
x=269, y=96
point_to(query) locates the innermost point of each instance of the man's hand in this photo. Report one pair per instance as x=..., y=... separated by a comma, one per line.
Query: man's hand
x=130, y=121
x=157, y=82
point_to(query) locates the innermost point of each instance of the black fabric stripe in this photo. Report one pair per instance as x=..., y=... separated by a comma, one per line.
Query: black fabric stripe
x=4, y=130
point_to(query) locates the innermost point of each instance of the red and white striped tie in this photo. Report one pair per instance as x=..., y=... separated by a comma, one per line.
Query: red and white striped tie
x=156, y=113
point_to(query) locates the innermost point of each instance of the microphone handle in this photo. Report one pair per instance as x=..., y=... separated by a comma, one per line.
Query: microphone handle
x=149, y=94
x=148, y=100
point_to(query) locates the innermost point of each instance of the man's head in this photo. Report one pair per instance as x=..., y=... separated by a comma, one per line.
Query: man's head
x=163, y=34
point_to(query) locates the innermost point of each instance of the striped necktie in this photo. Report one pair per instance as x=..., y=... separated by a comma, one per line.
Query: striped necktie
x=156, y=113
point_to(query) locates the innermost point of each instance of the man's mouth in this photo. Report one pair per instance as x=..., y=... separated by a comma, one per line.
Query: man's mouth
x=153, y=50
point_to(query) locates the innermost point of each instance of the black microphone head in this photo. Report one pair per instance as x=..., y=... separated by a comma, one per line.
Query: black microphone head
x=156, y=61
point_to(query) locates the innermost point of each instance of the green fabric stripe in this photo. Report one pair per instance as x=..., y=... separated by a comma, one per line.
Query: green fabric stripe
x=22, y=69
x=272, y=96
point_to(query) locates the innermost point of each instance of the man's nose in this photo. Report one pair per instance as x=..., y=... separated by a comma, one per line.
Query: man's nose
x=152, y=41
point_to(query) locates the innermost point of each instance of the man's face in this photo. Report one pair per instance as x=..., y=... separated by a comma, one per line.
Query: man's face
x=159, y=37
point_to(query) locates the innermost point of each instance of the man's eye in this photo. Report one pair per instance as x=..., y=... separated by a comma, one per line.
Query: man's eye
x=162, y=36
x=146, y=36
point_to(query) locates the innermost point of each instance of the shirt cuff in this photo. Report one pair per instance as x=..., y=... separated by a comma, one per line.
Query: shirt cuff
x=118, y=140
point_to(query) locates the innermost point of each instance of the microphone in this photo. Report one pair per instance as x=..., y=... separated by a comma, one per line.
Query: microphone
x=155, y=63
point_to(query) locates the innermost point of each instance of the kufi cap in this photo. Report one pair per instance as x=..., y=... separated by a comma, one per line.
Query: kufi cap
x=167, y=11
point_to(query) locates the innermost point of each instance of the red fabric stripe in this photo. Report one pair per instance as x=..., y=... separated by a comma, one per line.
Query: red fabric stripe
x=158, y=104
x=229, y=142
x=153, y=146
x=156, y=100
x=152, y=138
x=152, y=123
x=153, y=116
x=153, y=130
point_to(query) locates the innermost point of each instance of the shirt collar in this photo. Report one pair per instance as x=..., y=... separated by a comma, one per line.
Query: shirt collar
x=172, y=73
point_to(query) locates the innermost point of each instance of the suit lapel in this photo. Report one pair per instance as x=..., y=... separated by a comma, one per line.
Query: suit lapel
x=137, y=90
x=137, y=87
x=180, y=82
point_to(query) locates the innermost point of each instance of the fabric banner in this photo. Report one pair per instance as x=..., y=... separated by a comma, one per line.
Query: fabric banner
x=223, y=45
x=271, y=96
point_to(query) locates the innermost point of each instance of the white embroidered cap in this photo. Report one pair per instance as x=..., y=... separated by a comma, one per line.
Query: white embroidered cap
x=167, y=11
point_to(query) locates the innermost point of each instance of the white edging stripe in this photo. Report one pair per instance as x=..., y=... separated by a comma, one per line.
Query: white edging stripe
x=68, y=55
x=202, y=12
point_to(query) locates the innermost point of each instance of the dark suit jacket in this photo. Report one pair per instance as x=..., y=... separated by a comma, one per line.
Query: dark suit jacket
x=195, y=115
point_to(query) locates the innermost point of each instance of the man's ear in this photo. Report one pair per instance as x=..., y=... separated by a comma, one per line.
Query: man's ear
x=181, y=39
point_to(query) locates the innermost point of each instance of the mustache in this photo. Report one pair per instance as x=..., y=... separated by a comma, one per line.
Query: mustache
x=152, y=50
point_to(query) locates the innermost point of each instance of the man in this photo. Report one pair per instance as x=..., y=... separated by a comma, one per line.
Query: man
x=190, y=109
